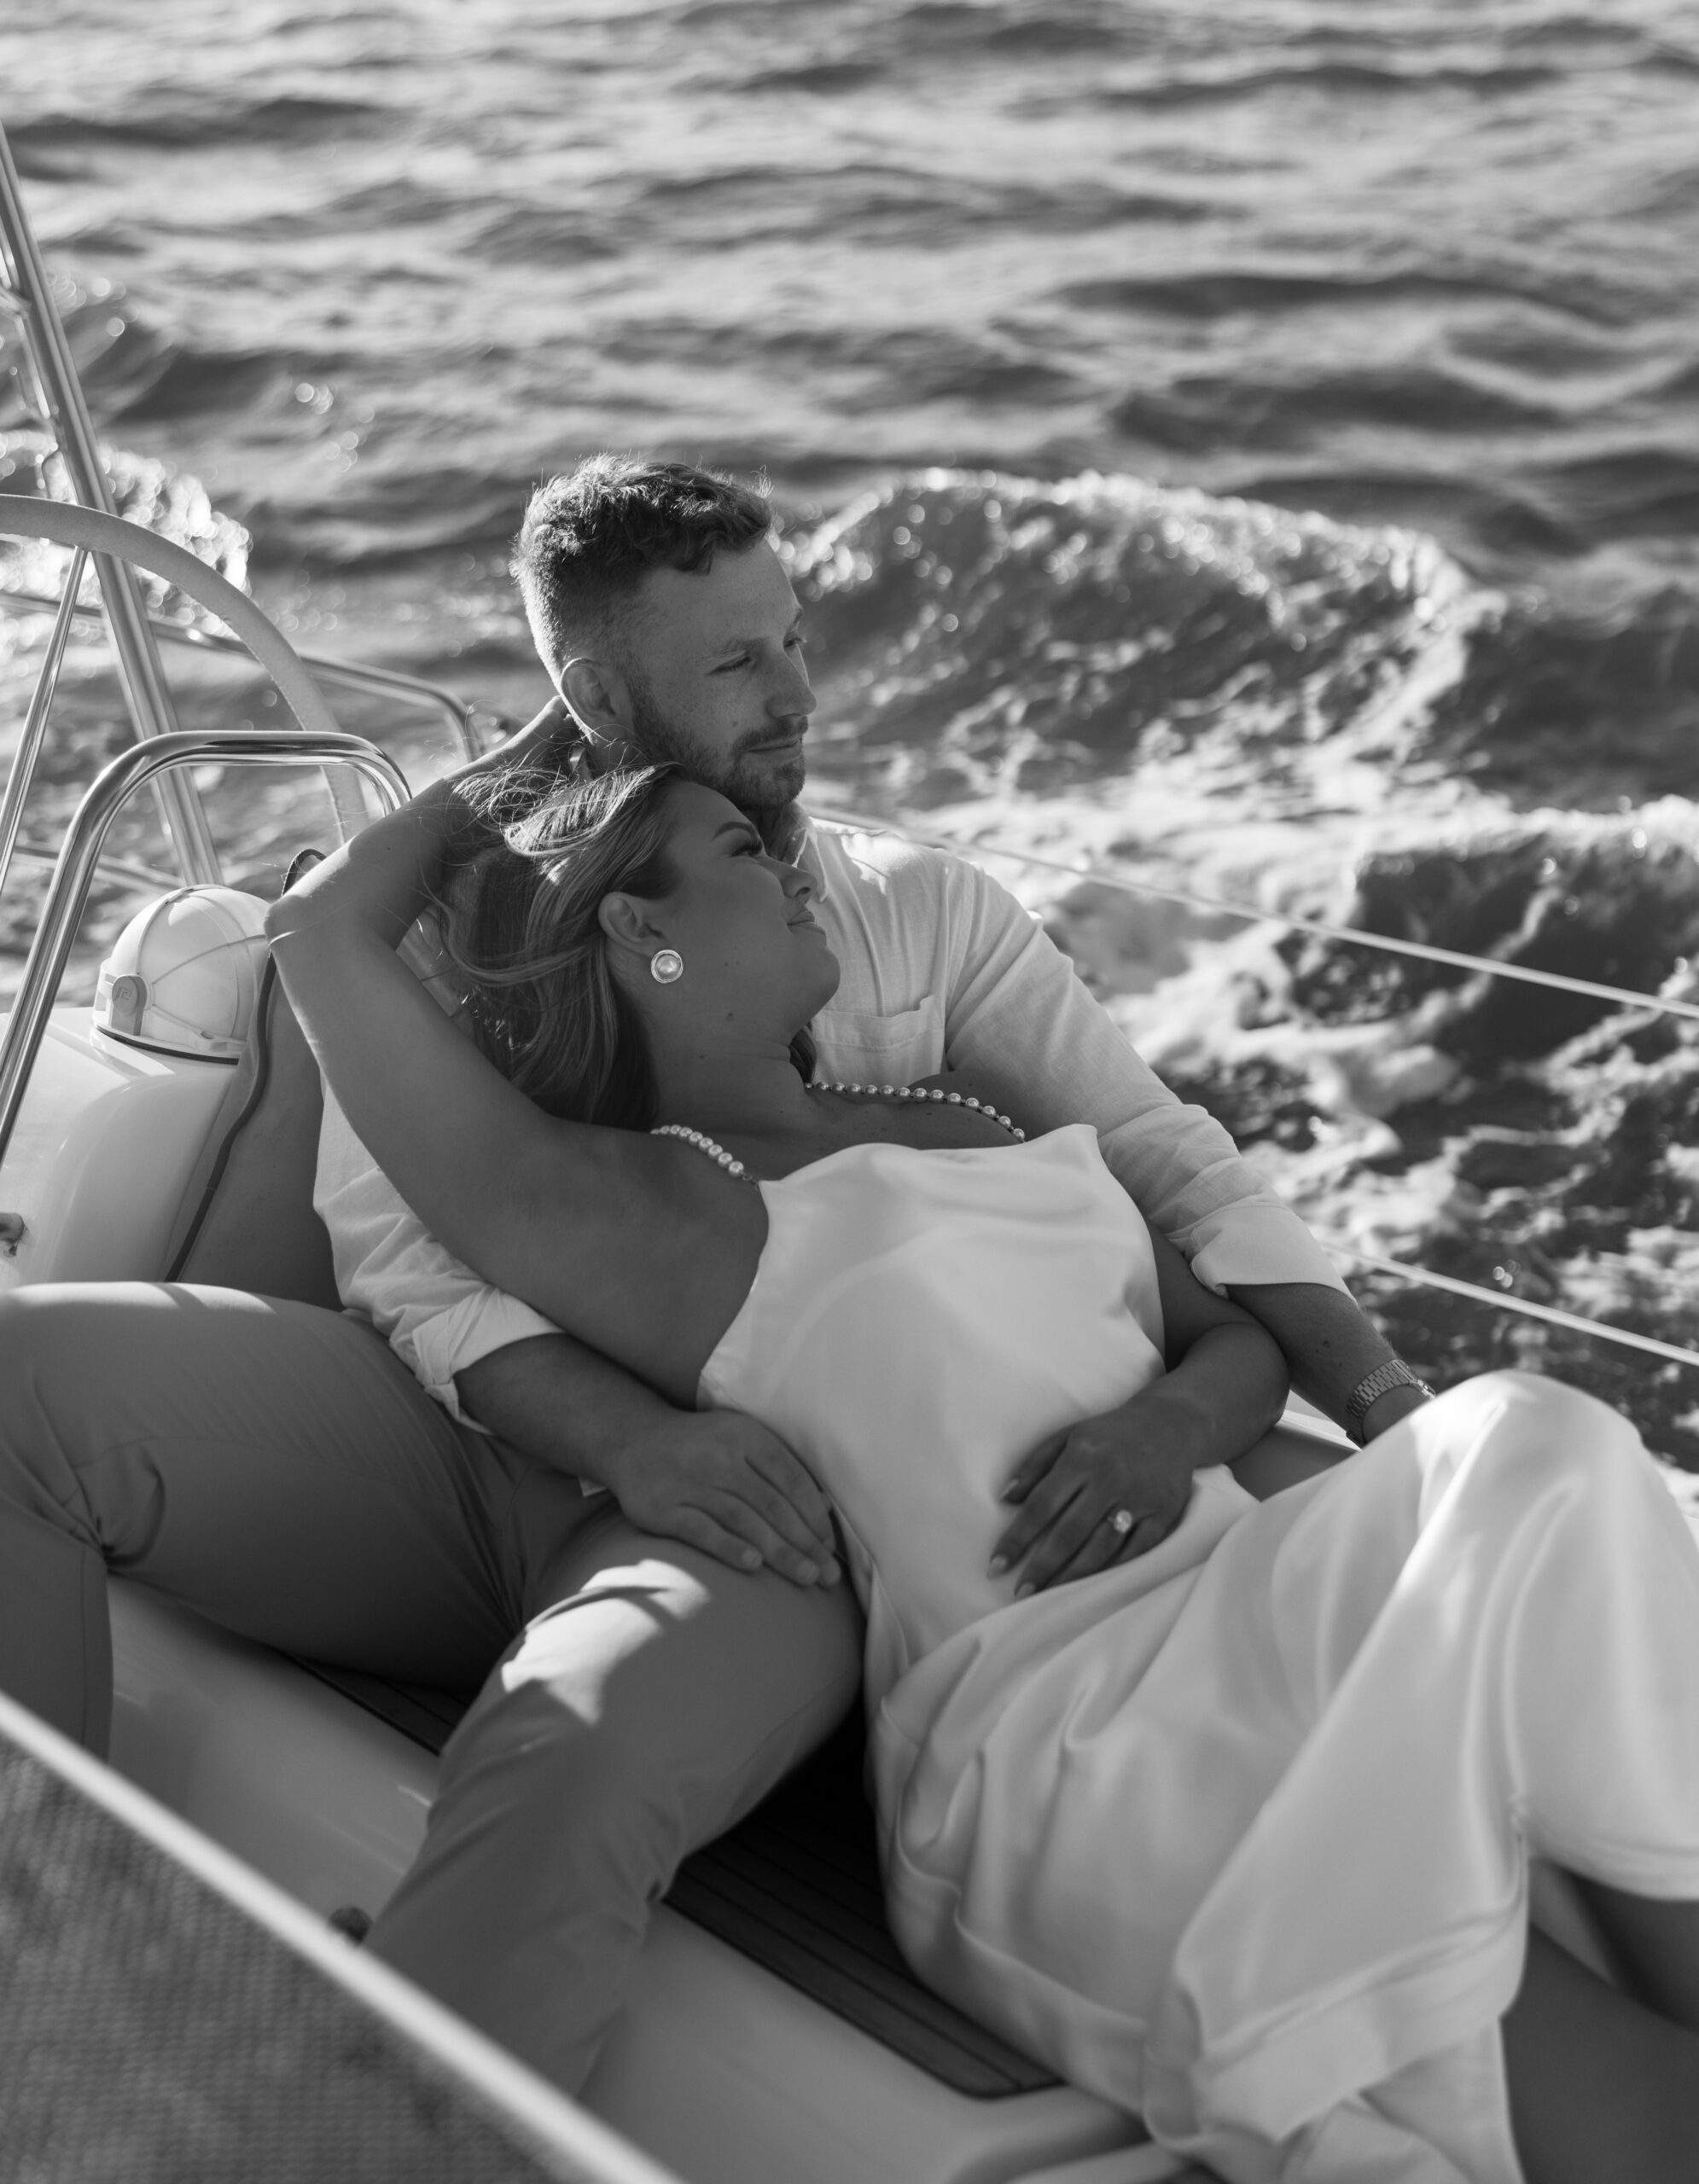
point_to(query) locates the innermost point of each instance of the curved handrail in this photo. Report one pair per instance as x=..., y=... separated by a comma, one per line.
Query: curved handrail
x=63, y=524
x=28, y=753
x=354, y=675
x=74, y=870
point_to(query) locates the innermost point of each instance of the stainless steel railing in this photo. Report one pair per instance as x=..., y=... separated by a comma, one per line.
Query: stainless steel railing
x=68, y=523
x=68, y=890
x=28, y=752
x=60, y=398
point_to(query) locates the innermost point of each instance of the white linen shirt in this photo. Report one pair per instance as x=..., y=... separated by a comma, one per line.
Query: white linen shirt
x=941, y=966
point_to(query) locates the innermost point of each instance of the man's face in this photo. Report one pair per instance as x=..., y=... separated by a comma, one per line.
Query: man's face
x=718, y=684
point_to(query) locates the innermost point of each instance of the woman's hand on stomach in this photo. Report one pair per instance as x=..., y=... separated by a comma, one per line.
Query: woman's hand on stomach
x=1115, y=1486
x=1137, y=1460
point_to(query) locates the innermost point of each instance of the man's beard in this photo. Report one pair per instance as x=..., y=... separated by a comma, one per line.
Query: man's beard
x=764, y=789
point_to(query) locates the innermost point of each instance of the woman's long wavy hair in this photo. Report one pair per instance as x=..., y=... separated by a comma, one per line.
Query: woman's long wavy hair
x=519, y=923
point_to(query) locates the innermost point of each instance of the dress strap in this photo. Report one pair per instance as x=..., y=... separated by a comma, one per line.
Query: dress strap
x=733, y=1167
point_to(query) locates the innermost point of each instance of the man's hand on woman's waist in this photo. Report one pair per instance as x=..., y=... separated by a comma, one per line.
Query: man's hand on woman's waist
x=716, y=1479
x=720, y=1481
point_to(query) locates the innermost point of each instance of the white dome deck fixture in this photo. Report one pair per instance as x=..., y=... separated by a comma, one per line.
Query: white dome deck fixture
x=183, y=975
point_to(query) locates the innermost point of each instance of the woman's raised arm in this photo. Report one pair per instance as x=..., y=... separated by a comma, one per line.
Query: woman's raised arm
x=636, y=1246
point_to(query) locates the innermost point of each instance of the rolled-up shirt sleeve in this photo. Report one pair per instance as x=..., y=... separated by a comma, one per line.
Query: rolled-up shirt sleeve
x=1017, y=1009
x=438, y=1316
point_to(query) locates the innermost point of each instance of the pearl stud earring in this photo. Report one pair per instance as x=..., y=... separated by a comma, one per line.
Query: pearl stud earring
x=666, y=967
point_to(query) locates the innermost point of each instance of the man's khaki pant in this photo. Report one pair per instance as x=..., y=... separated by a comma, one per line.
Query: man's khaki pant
x=274, y=1467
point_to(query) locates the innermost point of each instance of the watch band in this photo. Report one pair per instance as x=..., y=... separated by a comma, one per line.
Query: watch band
x=1368, y=1391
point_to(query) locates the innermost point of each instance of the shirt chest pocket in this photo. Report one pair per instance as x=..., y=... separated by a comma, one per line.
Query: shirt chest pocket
x=857, y=1047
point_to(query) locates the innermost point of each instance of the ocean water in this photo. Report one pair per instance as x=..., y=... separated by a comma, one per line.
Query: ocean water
x=1250, y=447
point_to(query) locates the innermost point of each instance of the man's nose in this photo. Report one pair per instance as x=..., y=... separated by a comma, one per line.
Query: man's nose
x=793, y=695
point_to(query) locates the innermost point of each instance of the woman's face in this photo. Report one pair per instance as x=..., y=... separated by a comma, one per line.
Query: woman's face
x=740, y=919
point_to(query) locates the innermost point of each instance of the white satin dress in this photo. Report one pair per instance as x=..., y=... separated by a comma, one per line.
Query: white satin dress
x=1236, y=1834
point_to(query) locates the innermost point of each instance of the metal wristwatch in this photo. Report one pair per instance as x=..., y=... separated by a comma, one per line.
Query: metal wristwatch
x=1368, y=1391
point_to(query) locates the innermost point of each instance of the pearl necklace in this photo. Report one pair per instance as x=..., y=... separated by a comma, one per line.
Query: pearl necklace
x=736, y=1169
x=915, y=1092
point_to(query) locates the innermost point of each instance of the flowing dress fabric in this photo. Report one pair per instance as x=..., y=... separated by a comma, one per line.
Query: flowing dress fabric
x=1237, y=1833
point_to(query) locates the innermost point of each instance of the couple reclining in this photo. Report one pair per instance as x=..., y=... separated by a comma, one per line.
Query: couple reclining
x=1223, y=1807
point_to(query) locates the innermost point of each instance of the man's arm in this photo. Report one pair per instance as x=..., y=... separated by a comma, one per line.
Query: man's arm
x=716, y=1479
x=1340, y=1348
x=1019, y=1015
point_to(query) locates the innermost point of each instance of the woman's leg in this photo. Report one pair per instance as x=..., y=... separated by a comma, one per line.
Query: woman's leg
x=269, y=1464
x=1603, y=2079
x=1487, y=1629
x=1600, y=2085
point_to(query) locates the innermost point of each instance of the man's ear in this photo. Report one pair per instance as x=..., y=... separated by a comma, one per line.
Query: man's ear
x=597, y=699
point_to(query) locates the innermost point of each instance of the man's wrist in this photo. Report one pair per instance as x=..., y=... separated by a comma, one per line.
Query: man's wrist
x=1329, y=1344
x=1385, y=1412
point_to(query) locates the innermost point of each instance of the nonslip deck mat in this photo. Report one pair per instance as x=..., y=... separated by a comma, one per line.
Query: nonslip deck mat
x=795, y=1887
x=152, y=2033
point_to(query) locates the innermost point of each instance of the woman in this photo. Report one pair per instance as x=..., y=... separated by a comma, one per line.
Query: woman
x=1237, y=1832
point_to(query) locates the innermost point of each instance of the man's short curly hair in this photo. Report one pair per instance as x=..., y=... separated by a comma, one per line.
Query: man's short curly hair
x=592, y=535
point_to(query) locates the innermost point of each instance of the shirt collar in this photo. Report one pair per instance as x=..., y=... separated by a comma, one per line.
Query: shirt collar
x=802, y=849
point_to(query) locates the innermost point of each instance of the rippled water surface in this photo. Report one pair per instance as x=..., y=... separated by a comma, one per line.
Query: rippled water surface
x=1254, y=447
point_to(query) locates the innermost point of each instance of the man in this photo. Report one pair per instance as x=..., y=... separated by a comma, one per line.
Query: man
x=683, y=1635
x=671, y=632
